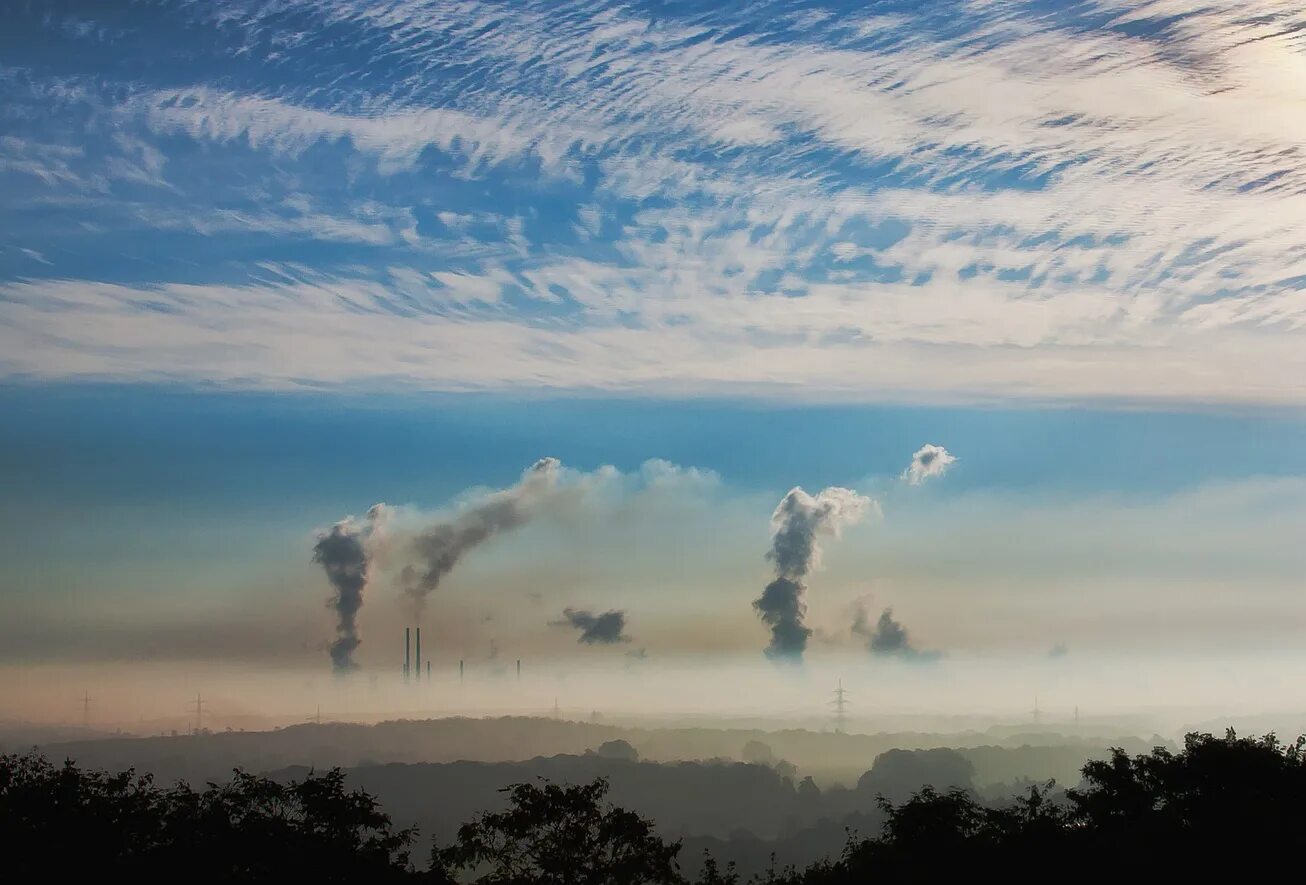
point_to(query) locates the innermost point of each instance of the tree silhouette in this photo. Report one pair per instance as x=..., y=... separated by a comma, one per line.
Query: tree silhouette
x=1160, y=814
x=65, y=819
x=559, y=835
x=1215, y=797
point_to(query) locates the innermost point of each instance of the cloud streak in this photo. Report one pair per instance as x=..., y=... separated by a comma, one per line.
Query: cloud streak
x=710, y=202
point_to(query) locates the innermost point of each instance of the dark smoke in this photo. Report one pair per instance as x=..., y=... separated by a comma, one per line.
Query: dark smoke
x=782, y=608
x=796, y=523
x=343, y=554
x=605, y=629
x=442, y=546
x=888, y=637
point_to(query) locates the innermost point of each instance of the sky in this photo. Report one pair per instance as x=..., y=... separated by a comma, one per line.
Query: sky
x=266, y=265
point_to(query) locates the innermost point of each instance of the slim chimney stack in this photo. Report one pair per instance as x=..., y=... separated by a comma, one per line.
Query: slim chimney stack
x=418, y=655
x=407, y=660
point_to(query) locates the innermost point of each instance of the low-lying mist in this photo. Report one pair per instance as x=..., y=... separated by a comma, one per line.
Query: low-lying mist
x=1135, y=695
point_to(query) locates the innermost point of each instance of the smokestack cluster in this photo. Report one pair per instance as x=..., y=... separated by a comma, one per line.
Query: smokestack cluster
x=796, y=524
x=409, y=670
x=344, y=552
x=347, y=550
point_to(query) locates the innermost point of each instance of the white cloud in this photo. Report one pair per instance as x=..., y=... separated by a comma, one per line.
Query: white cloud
x=49, y=163
x=928, y=462
x=358, y=332
x=1125, y=222
x=396, y=138
x=285, y=221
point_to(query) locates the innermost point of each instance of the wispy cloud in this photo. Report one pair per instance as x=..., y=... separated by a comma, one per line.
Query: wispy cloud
x=396, y=137
x=752, y=201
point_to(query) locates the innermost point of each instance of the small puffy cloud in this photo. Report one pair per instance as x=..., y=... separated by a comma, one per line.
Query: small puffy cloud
x=928, y=462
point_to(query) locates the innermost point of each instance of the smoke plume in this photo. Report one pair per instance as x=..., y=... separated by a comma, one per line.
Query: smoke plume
x=605, y=629
x=888, y=638
x=928, y=462
x=344, y=554
x=440, y=547
x=796, y=524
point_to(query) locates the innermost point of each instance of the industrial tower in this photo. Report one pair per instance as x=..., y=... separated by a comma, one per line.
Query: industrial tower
x=840, y=708
x=199, y=712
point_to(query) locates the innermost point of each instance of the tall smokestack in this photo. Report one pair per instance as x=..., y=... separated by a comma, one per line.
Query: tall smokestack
x=460, y=671
x=519, y=669
x=428, y=669
x=418, y=654
x=407, y=659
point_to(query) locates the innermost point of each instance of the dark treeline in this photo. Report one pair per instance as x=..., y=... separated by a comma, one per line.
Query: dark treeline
x=1216, y=801
x=744, y=796
x=998, y=756
x=742, y=812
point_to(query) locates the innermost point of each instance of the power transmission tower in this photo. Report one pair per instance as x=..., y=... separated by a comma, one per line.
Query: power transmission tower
x=200, y=703
x=840, y=703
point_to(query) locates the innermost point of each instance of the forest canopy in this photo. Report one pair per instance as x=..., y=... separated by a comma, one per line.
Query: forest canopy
x=1217, y=799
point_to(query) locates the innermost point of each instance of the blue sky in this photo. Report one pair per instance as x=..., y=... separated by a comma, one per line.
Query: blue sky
x=265, y=265
x=943, y=201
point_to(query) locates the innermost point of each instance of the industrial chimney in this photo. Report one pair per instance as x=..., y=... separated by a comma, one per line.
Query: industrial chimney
x=418, y=655
x=407, y=660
